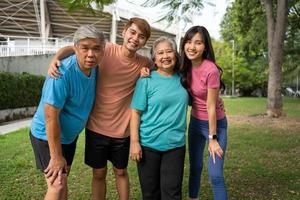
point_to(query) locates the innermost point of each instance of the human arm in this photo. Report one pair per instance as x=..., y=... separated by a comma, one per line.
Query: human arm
x=145, y=71
x=57, y=164
x=135, y=147
x=55, y=62
x=213, y=145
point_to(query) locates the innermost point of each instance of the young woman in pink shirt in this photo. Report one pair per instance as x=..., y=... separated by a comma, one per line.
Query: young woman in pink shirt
x=202, y=78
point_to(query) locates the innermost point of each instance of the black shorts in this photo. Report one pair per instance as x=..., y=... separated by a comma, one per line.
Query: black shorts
x=100, y=148
x=42, y=153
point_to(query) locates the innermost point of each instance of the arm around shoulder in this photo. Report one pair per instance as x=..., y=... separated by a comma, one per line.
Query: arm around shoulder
x=55, y=62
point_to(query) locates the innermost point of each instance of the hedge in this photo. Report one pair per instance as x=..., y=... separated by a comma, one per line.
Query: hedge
x=20, y=90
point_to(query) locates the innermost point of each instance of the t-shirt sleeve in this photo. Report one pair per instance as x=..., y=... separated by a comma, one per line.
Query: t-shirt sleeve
x=213, y=79
x=139, y=99
x=55, y=91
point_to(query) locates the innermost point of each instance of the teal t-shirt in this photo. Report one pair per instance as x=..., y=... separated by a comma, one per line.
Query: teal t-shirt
x=163, y=102
x=74, y=93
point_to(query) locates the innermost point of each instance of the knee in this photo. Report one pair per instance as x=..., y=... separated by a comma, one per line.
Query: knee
x=57, y=187
x=99, y=174
x=217, y=180
x=120, y=172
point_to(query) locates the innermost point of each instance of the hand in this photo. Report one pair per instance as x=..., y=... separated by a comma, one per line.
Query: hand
x=53, y=68
x=145, y=72
x=135, y=151
x=215, y=149
x=56, y=167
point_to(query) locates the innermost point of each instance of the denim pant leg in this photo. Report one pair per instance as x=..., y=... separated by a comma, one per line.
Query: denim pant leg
x=215, y=170
x=196, y=149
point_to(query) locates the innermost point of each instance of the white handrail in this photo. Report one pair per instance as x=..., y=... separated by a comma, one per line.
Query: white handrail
x=20, y=46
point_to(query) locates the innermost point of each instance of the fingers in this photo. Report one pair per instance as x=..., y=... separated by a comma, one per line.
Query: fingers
x=53, y=69
x=53, y=177
x=54, y=73
x=147, y=71
x=58, y=64
x=136, y=156
x=218, y=151
x=213, y=157
x=60, y=176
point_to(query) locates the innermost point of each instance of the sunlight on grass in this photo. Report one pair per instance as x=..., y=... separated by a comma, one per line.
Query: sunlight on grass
x=262, y=161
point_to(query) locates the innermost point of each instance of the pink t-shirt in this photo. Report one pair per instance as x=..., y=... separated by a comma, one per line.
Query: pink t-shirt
x=205, y=76
x=115, y=85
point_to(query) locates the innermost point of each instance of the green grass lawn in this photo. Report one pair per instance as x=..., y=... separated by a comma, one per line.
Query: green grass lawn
x=262, y=160
x=257, y=106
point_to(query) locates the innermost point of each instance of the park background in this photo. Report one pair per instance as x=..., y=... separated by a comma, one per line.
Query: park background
x=262, y=160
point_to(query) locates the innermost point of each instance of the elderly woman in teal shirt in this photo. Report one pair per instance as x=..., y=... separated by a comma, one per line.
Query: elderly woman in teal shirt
x=158, y=125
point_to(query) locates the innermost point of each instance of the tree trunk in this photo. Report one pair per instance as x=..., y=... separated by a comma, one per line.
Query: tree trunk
x=276, y=33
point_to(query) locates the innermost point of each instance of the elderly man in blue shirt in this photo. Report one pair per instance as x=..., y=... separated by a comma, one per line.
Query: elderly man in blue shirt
x=64, y=109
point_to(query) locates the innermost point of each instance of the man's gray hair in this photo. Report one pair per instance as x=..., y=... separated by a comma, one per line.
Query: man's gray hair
x=88, y=31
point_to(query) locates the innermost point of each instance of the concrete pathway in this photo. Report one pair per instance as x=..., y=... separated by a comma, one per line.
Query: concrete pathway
x=14, y=126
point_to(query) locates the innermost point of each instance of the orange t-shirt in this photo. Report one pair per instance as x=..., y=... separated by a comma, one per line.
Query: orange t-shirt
x=115, y=86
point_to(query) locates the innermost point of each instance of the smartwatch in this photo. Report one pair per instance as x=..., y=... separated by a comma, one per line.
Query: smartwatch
x=212, y=136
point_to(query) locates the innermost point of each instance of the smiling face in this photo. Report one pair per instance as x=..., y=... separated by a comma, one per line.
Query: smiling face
x=89, y=53
x=194, y=48
x=164, y=57
x=134, y=38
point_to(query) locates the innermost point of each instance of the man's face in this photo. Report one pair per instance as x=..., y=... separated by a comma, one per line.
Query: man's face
x=89, y=53
x=134, y=38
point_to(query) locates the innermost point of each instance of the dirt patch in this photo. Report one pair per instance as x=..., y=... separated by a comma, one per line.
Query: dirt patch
x=288, y=123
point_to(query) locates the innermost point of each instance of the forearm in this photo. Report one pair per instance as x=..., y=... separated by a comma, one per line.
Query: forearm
x=134, y=126
x=64, y=52
x=212, y=119
x=212, y=96
x=53, y=131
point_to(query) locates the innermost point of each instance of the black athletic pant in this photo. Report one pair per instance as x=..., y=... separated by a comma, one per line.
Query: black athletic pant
x=161, y=173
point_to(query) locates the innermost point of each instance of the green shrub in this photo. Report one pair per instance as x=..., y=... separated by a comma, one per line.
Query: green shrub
x=20, y=90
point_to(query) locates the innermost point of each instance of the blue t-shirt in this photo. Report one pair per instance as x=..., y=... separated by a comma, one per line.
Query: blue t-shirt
x=73, y=93
x=163, y=102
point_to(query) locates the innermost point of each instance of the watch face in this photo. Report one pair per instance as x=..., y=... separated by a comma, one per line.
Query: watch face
x=212, y=137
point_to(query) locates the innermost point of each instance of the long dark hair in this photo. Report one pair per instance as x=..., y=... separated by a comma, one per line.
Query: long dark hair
x=208, y=54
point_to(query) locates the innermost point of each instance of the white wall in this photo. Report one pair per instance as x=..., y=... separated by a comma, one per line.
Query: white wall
x=37, y=64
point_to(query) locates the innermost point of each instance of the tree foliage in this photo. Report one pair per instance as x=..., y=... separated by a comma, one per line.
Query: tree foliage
x=245, y=23
x=88, y=5
x=177, y=8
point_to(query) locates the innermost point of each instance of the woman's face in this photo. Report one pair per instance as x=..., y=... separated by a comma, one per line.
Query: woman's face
x=194, y=48
x=165, y=58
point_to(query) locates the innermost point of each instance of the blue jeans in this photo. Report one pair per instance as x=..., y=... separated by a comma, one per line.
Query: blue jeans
x=198, y=135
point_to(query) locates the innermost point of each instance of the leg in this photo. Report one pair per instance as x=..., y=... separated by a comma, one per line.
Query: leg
x=215, y=171
x=122, y=183
x=99, y=184
x=118, y=155
x=57, y=190
x=196, y=149
x=172, y=165
x=149, y=174
x=42, y=156
x=96, y=151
